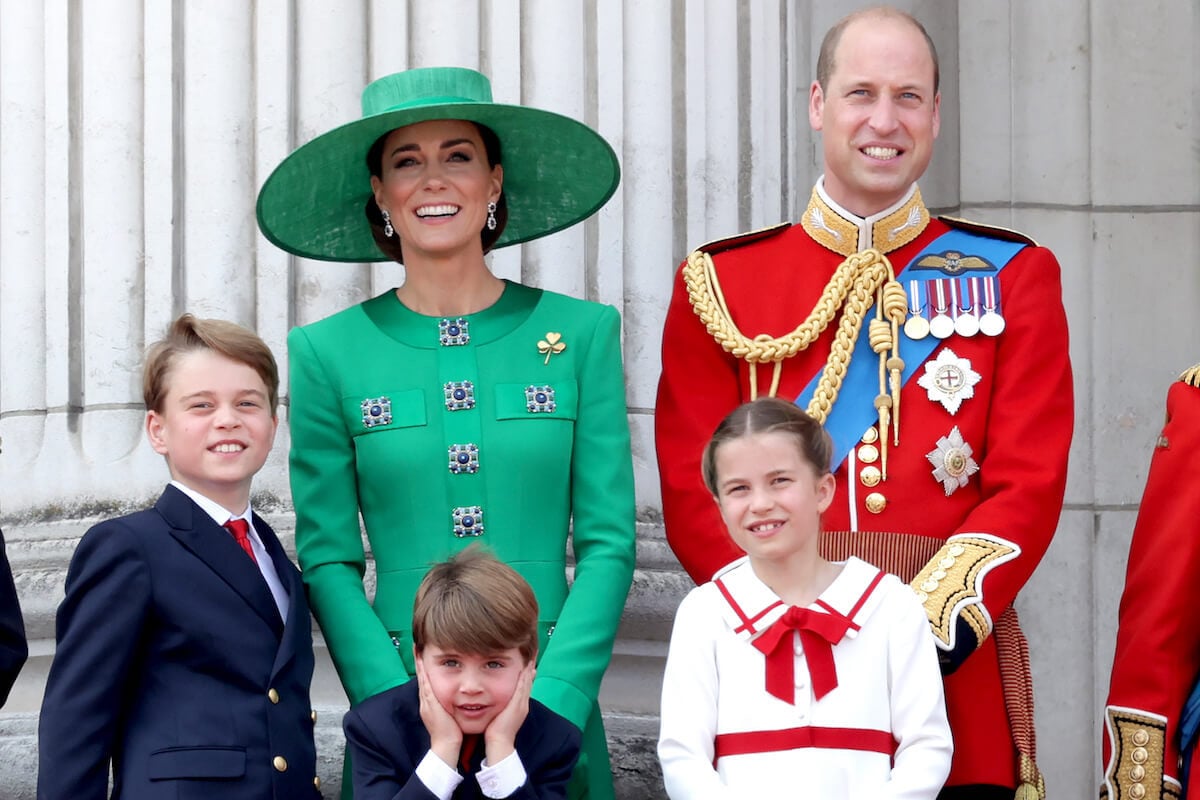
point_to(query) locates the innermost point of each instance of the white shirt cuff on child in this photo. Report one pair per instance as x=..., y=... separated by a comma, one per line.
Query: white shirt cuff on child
x=502, y=779
x=438, y=776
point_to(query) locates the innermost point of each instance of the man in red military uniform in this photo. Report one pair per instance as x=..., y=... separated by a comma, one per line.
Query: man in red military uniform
x=935, y=353
x=1158, y=636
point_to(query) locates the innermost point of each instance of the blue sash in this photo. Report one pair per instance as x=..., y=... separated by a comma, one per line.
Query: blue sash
x=847, y=421
x=1189, y=728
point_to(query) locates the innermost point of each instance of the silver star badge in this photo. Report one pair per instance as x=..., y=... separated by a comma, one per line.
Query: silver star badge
x=952, y=462
x=949, y=379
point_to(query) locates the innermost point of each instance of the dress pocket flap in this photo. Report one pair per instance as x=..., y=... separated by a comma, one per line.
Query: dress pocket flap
x=547, y=400
x=384, y=411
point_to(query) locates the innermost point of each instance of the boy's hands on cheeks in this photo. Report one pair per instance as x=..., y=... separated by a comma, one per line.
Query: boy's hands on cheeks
x=445, y=737
x=501, y=733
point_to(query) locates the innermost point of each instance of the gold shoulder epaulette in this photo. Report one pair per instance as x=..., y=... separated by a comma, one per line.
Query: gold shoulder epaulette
x=994, y=231
x=1191, y=376
x=740, y=239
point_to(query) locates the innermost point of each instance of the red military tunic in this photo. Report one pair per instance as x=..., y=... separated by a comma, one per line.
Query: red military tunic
x=968, y=551
x=1158, y=638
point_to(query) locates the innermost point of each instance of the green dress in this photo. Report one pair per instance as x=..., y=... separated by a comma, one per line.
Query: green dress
x=506, y=427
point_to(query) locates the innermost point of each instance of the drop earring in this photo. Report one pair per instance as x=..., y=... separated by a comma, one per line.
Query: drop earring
x=491, y=219
x=388, y=230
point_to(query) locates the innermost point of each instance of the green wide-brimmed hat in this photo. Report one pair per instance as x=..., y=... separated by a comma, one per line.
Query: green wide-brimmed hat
x=557, y=171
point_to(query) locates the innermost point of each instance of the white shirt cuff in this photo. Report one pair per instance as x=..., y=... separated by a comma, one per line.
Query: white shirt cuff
x=438, y=776
x=502, y=779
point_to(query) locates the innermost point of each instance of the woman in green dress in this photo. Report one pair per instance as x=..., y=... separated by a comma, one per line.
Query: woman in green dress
x=458, y=407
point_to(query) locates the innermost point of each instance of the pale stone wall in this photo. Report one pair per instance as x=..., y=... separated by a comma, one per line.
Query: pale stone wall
x=134, y=135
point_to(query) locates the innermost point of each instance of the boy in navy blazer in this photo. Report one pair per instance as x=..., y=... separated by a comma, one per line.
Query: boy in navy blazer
x=13, y=649
x=184, y=650
x=466, y=726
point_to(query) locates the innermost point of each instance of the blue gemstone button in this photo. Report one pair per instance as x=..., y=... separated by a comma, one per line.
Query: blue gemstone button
x=468, y=521
x=540, y=399
x=376, y=411
x=453, y=332
x=460, y=395
x=464, y=459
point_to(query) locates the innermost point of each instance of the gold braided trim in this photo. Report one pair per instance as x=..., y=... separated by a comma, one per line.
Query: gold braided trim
x=831, y=230
x=901, y=226
x=861, y=280
x=952, y=584
x=1135, y=770
x=1191, y=376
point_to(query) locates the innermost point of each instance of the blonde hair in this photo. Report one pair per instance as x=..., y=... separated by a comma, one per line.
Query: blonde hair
x=474, y=602
x=187, y=334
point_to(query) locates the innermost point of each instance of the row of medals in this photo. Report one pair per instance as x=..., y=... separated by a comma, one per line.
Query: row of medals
x=946, y=306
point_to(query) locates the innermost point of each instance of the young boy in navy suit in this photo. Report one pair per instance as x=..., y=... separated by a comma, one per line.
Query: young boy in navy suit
x=466, y=726
x=184, y=642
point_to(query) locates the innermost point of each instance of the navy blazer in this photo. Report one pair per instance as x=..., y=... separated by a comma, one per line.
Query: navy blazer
x=173, y=662
x=13, y=649
x=386, y=740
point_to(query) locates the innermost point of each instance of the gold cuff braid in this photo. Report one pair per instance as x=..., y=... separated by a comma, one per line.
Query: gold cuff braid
x=1138, y=750
x=953, y=577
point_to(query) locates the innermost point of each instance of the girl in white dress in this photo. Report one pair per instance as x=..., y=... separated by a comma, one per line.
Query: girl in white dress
x=788, y=672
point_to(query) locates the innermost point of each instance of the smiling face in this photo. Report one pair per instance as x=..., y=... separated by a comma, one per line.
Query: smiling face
x=473, y=688
x=770, y=497
x=215, y=427
x=878, y=113
x=435, y=182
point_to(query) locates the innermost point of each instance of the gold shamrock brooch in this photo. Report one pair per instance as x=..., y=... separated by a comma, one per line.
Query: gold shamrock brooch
x=551, y=345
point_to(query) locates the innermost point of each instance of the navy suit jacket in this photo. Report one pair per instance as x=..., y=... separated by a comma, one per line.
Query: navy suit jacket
x=173, y=662
x=386, y=740
x=13, y=650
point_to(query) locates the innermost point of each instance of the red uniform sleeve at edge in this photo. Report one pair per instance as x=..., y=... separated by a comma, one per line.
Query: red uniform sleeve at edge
x=1158, y=634
x=697, y=388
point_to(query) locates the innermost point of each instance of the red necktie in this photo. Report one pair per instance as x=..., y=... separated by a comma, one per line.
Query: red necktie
x=818, y=633
x=241, y=531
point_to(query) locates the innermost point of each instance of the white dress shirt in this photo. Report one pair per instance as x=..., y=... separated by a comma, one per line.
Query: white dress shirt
x=266, y=565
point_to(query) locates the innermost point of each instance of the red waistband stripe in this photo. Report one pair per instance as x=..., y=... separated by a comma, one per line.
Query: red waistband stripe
x=747, y=742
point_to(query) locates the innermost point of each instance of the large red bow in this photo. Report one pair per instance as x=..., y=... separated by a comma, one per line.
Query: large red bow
x=818, y=633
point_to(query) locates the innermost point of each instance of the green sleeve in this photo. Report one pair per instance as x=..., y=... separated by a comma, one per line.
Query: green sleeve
x=329, y=543
x=602, y=508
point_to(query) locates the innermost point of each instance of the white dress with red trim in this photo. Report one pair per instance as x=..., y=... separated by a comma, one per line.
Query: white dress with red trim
x=867, y=719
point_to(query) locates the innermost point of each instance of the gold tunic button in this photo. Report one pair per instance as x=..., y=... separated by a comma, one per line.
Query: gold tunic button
x=317, y=783
x=875, y=502
x=957, y=550
x=1141, y=738
x=929, y=586
x=1138, y=773
x=868, y=454
x=273, y=695
x=938, y=574
x=1137, y=791
x=313, y=715
x=870, y=476
x=280, y=763
x=1139, y=755
x=871, y=436
x=946, y=563
x=922, y=596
